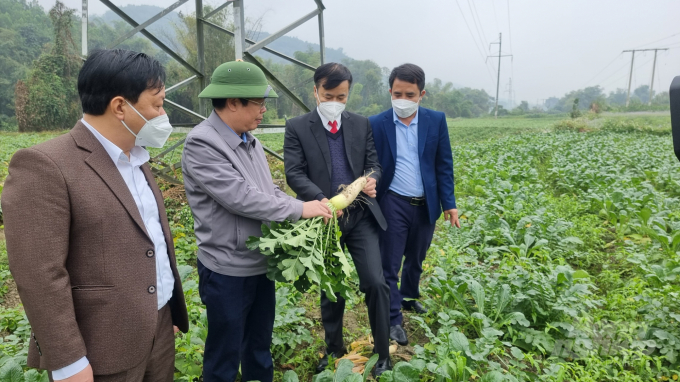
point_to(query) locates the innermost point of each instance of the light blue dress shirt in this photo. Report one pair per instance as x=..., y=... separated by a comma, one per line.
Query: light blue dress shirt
x=408, y=180
x=243, y=136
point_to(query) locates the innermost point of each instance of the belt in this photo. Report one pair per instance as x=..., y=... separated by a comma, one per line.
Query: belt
x=418, y=202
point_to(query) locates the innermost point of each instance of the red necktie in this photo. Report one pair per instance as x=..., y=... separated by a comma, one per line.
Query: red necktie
x=334, y=126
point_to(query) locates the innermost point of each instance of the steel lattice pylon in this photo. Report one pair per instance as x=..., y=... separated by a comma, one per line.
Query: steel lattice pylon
x=243, y=47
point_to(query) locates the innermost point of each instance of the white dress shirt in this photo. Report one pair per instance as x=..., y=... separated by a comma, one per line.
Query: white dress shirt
x=325, y=120
x=130, y=170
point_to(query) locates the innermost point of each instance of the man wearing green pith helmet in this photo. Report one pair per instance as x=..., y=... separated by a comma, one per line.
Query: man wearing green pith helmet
x=231, y=194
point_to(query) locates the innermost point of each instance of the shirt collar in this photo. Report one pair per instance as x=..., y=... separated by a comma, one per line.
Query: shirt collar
x=413, y=122
x=324, y=120
x=230, y=136
x=138, y=155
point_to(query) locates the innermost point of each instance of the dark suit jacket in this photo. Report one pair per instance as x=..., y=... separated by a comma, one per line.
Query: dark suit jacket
x=78, y=251
x=307, y=157
x=434, y=149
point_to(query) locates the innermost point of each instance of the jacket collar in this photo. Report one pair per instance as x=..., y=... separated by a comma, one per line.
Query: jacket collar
x=229, y=136
x=100, y=161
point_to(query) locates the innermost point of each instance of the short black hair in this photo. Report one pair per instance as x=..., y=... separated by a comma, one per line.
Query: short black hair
x=111, y=73
x=221, y=103
x=409, y=73
x=331, y=75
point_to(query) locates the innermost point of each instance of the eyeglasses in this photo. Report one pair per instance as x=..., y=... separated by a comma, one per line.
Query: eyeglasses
x=262, y=104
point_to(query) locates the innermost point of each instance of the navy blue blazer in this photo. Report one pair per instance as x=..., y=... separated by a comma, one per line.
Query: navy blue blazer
x=434, y=149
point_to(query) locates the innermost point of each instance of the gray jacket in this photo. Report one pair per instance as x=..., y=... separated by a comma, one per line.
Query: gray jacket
x=231, y=193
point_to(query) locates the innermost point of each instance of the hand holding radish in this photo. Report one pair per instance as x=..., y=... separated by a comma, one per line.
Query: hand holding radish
x=308, y=251
x=338, y=213
x=370, y=187
x=316, y=208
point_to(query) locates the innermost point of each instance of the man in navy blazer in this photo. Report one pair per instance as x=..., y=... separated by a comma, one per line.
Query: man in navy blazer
x=417, y=184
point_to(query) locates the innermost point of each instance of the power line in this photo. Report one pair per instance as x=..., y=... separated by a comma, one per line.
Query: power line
x=493, y=4
x=602, y=82
x=618, y=79
x=635, y=74
x=469, y=29
x=509, y=34
x=605, y=68
x=478, y=24
x=632, y=61
x=653, y=42
x=479, y=19
x=481, y=36
x=474, y=40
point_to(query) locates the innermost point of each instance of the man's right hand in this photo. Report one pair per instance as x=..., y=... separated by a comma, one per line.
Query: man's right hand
x=338, y=213
x=85, y=375
x=315, y=208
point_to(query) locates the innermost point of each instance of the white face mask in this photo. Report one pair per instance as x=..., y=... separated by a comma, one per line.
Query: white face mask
x=154, y=133
x=405, y=108
x=330, y=110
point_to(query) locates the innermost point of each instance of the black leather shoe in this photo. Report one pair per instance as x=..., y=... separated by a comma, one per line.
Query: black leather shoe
x=323, y=362
x=382, y=366
x=398, y=334
x=415, y=306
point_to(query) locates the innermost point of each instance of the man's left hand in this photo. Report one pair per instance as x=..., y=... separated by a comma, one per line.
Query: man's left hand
x=175, y=329
x=370, y=188
x=452, y=216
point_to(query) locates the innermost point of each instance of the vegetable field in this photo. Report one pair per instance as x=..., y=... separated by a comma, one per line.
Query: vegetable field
x=566, y=267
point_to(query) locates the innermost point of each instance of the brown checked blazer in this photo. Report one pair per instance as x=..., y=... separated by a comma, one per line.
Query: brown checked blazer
x=81, y=257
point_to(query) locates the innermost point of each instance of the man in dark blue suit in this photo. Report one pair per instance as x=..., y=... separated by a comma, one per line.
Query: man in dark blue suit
x=417, y=184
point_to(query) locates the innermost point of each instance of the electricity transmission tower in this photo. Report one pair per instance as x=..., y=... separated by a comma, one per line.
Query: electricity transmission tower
x=244, y=49
x=510, y=93
x=630, y=78
x=498, y=80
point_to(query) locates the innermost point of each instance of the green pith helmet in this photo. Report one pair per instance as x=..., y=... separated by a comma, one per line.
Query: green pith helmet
x=238, y=79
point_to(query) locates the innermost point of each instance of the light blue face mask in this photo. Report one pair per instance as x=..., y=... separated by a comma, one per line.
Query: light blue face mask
x=154, y=133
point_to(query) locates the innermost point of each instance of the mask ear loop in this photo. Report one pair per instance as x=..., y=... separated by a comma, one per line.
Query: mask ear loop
x=140, y=114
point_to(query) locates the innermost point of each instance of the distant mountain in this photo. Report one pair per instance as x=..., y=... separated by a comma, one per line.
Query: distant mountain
x=289, y=45
x=164, y=30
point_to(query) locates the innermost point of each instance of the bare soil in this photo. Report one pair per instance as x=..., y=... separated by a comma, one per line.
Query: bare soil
x=176, y=193
x=11, y=299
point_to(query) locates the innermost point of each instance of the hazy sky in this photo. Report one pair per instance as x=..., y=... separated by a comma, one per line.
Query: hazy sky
x=558, y=46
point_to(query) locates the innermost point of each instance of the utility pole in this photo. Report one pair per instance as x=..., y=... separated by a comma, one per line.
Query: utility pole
x=651, y=84
x=498, y=80
x=630, y=77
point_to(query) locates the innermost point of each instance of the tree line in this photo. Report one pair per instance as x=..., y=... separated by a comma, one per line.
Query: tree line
x=594, y=98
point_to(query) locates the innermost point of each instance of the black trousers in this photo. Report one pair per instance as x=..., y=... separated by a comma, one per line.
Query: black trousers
x=360, y=235
x=241, y=313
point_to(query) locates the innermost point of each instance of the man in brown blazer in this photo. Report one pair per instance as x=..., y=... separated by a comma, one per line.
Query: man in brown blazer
x=88, y=239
